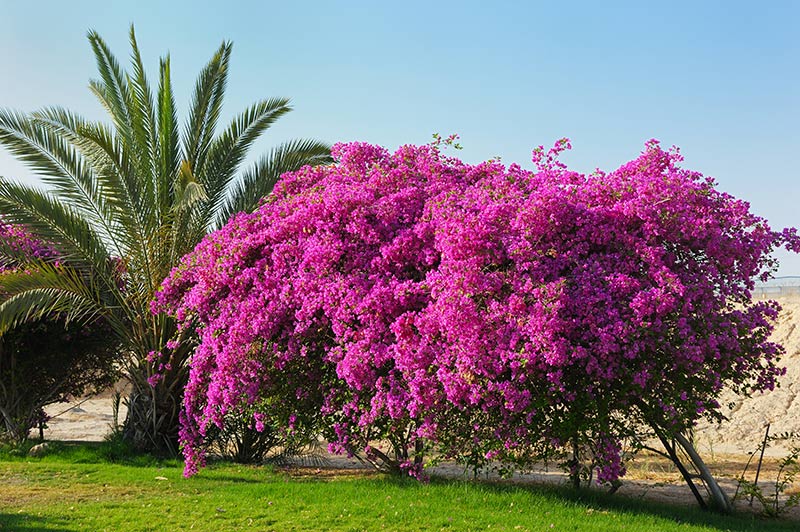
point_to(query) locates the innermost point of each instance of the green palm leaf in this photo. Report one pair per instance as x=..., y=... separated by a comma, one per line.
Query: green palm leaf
x=230, y=148
x=143, y=132
x=49, y=290
x=206, y=107
x=259, y=179
x=55, y=223
x=168, y=150
x=113, y=90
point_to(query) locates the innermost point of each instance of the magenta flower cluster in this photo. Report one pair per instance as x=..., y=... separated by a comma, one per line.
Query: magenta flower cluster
x=18, y=242
x=479, y=309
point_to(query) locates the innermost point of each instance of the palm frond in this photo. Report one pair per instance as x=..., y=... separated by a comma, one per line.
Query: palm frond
x=143, y=127
x=259, y=179
x=132, y=227
x=90, y=192
x=113, y=91
x=169, y=155
x=229, y=149
x=206, y=106
x=182, y=226
x=55, y=223
x=47, y=290
x=45, y=141
x=35, y=147
x=113, y=167
x=189, y=191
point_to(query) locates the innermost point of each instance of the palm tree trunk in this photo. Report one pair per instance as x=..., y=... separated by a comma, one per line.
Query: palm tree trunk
x=153, y=421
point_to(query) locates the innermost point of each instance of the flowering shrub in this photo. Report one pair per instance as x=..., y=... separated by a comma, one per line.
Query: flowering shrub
x=46, y=361
x=490, y=311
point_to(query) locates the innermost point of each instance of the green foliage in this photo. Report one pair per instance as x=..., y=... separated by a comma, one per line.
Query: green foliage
x=239, y=441
x=47, y=362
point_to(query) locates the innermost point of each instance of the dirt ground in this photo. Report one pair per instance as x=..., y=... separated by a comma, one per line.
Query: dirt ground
x=780, y=407
x=86, y=419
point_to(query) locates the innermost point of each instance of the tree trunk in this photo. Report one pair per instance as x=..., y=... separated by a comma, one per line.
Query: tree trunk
x=153, y=421
x=575, y=465
x=151, y=425
x=670, y=448
x=719, y=499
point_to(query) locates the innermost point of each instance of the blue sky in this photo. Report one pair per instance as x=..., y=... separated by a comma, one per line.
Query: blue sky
x=719, y=79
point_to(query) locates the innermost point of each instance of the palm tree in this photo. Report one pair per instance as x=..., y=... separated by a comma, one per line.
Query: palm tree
x=124, y=202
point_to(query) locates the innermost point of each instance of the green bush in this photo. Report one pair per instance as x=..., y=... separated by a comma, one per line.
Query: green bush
x=48, y=362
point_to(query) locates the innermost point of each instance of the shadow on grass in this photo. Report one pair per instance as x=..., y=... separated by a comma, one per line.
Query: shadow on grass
x=114, y=451
x=233, y=479
x=600, y=501
x=22, y=522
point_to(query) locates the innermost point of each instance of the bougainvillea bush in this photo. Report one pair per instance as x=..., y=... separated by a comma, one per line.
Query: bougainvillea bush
x=489, y=312
x=45, y=361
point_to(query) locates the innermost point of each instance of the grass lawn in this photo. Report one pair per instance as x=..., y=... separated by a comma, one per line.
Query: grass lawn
x=96, y=488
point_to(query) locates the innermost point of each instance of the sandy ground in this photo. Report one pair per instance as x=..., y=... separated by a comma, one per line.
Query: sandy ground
x=86, y=419
x=780, y=407
x=724, y=446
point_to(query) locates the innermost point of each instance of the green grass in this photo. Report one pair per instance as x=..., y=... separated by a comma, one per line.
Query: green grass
x=103, y=488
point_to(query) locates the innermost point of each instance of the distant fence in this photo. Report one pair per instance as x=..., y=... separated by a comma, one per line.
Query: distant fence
x=778, y=287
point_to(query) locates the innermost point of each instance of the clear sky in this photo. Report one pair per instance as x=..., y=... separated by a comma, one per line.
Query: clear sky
x=719, y=79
